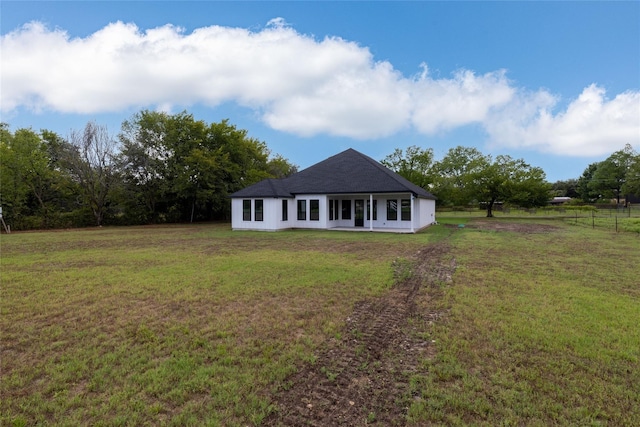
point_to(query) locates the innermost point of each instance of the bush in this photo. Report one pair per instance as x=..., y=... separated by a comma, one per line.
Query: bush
x=74, y=219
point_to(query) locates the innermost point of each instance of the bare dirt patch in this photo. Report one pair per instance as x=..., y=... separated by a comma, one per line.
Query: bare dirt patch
x=362, y=376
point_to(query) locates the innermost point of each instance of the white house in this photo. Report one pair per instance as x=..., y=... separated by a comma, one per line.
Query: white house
x=345, y=191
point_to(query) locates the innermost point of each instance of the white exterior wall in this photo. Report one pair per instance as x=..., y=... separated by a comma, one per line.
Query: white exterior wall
x=236, y=214
x=272, y=215
x=307, y=223
x=423, y=213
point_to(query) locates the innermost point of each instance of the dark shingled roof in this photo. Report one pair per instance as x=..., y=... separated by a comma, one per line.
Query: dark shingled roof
x=345, y=173
x=266, y=188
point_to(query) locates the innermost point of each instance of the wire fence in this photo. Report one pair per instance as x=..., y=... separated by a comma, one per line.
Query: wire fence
x=621, y=219
x=627, y=220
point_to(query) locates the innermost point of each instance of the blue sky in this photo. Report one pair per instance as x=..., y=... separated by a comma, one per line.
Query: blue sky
x=555, y=83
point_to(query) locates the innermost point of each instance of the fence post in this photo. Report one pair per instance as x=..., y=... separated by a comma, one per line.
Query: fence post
x=593, y=220
x=616, y=223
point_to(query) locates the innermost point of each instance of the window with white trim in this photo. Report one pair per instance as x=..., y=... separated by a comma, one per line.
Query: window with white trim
x=314, y=210
x=246, y=210
x=405, y=210
x=259, y=209
x=302, y=210
x=392, y=210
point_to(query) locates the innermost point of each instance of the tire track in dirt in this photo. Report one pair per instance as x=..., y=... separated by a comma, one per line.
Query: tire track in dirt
x=363, y=377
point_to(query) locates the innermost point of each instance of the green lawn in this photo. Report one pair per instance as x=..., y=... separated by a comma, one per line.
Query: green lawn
x=622, y=220
x=199, y=325
x=177, y=324
x=539, y=329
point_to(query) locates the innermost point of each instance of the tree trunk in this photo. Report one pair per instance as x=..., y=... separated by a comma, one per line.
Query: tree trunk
x=45, y=211
x=97, y=213
x=490, y=208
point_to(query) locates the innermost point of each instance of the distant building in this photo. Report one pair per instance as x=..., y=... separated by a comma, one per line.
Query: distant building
x=556, y=201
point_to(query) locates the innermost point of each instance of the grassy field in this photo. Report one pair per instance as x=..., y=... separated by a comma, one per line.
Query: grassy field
x=617, y=220
x=184, y=325
x=539, y=328
x=198, y=325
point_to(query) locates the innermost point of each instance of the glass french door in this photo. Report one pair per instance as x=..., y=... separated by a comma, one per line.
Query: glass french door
x=359, y=213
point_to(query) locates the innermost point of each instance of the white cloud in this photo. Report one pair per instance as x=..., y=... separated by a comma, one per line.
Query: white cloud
x=370, y=101
x=591, y=125
x=298, y=84
x=466, y=98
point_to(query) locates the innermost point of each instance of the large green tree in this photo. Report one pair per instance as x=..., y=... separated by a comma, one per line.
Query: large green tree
x=610, y=176
x=585, y=192
x=508, y=180
x=144, y=164
x=177, y=168
x=415, y=164
x=13, y=187
x=451, y=175
x=632, y=184
x=31, y=181
x=466, y=176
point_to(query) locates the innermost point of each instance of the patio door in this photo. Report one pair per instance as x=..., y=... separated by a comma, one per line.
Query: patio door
x=359, y=213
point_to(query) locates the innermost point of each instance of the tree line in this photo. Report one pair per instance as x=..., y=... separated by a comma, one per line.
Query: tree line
x=465, y=177
x=159, y=168
x=615, y=178
x=173, y=168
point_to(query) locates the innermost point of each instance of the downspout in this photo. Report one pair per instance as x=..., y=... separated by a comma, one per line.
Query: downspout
x=370, y=212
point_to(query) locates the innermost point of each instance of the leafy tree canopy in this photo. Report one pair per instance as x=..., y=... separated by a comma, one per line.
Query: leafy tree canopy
x=414, y=164
x=465, y=176
x=508, y=180
x=632, y=183
x=611, y=178
x=177, y=168
x=565, y=188
x=30, y=181
x=452, y=175
x=160, y=168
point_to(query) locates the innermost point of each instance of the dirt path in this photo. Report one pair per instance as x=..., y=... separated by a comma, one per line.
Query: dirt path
x=363, y=377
